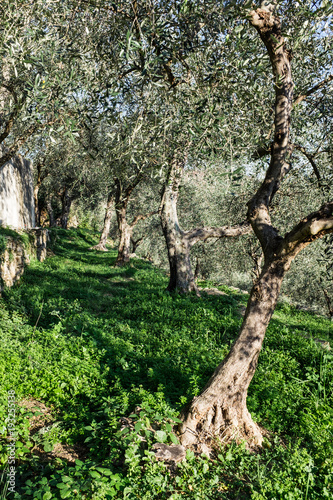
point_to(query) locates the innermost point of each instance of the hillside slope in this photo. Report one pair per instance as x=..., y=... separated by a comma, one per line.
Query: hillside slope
x=84, y=345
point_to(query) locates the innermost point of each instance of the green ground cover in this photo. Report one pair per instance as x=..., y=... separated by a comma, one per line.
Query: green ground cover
x=93, y=343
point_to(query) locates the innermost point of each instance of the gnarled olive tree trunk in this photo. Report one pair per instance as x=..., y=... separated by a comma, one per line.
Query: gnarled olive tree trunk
x=101, y=246
x=49, y=209
x=220, y=410
x=180, y=242
x=125, y=229
x=66, y=202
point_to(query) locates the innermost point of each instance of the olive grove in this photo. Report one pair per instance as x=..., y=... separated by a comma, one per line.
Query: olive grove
x=159, y=90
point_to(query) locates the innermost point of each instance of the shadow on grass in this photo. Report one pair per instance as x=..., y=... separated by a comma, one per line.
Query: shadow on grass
x=143, y=335
x=80, y=289
x=129, y=334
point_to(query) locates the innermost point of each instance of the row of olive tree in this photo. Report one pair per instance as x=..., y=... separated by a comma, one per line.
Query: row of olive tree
x=175, y=82
x=221, y=407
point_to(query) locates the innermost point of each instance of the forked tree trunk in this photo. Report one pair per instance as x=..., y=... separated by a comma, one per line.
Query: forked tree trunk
x=221, y=409
x=101, y=246
x=181, y=274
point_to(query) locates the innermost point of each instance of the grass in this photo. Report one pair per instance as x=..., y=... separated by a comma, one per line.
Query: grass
x=21, y=237
x=93, y=343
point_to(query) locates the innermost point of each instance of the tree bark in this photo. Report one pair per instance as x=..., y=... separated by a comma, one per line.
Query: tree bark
x=179, y=242
x=220, y=410
x=66, y=202
x=181, y=274
x=101, y=246
x=125, y=229
x=49, y=209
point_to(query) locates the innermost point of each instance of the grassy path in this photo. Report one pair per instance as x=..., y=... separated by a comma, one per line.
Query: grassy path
x=83, y=344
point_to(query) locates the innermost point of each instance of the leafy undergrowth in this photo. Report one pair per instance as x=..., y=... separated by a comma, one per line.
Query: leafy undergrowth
x=84, y=345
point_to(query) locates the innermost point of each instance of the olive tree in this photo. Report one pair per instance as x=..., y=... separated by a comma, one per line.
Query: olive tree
x=36, y=52
x=221, y=406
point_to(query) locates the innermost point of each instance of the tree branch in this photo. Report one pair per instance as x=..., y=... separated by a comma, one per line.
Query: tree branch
x=312, y=162
x=314, y=89
x=204, y=233
x=269, y=28
x=142, y=217
x=260, y=152
x=312, y=227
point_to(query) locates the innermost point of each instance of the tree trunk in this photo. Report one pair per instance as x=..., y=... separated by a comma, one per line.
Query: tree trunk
x=66, y=201
x=50, y=211
x=107, y=222
x=181, y=274
x=179, y=242
x=125, y=233
x=37, y=208
x=221, y=409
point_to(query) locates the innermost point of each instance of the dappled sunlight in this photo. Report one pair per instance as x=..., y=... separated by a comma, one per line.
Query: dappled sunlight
x=103, y=341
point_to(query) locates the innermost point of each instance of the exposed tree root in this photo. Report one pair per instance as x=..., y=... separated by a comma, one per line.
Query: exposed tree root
x=205, y=428
x=100, y=247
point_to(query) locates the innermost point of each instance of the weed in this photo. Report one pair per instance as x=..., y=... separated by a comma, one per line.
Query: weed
x=100, y=346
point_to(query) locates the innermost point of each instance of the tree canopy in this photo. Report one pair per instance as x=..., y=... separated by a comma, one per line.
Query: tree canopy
x=215, y=116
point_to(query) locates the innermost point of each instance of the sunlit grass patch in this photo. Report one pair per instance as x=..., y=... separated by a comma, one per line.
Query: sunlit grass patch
x=93, y=342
